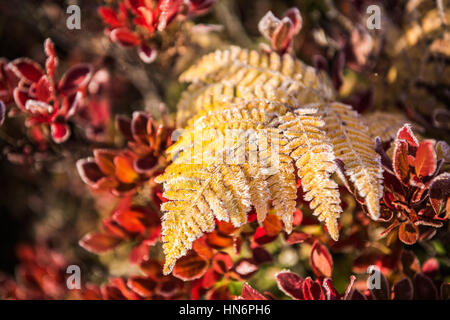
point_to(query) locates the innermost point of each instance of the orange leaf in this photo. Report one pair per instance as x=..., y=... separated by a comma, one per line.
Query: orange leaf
x=190, y=267
x=425, y=163
x=124, y=170
x=272, y=225
x=321, y=261
x=99, y=242
x=408, y=233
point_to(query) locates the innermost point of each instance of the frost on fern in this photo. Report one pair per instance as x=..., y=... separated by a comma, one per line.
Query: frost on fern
x=276, y=115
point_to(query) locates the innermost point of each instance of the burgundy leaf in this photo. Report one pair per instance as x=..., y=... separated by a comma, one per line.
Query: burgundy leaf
x=439, y=191
x=123, y=125
x=403, y=290
x=312, y=290
x=261, y=255
x=424, y=287
x=76, y=78
x=290, y=283
x=89, y=171
x=26, y=69
x=248, y=293
x=330, y=290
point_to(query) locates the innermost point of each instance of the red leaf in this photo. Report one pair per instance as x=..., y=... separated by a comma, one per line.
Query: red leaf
x=130, y=220
x=109, y=16
x=312, y=290
x=43, y=89
x=400, y=161
x=123, y=125
x=425, y=163
x=405, y=133
x=99, y=242
x=403, y=290
x=26, y=69
x=282, y=35
x=330, y=290
x=260, y=237
x=408, y=233
x=151, y=268
x=125, y=37
x=168, y=11
x=290, y=283
x=222, y=262
x=89, y=171
x=297, y=237
x=142, y=286
x=190, y=267
x=321, y=261
x=248, y=293
x=219, y=241
x=201, y=247
x=52, y=60
x=219, y=293
x=296, y=18
x=105, y=160
x=76, y=78
x=60, y=131
x=298, y=218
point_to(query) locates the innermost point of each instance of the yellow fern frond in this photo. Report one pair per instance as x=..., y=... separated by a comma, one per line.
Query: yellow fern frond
x=386, y=124
x=354, y=146
x=284, y=123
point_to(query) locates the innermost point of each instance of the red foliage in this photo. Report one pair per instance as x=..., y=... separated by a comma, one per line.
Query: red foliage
x=134, y=23
x=416, y=192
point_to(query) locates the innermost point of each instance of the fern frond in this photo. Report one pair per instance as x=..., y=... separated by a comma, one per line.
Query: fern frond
x=386, y=124
x=313, y=154
x=287, y=124
x=354, y=146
